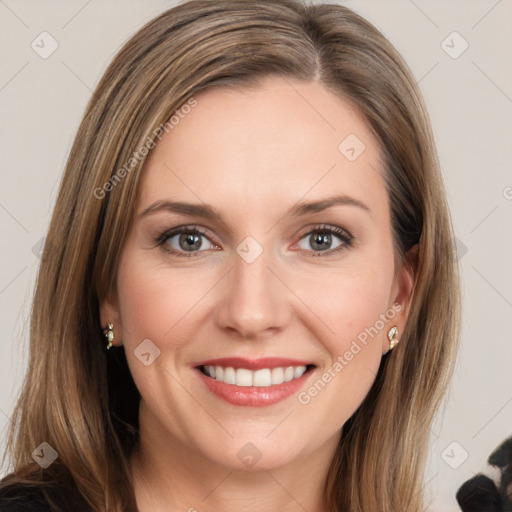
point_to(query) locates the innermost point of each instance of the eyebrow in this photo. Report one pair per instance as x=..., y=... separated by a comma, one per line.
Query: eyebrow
x=209, y=212
x=318, y=206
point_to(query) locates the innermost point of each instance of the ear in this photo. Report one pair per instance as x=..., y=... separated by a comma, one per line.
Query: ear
x=109, y=314
x=406, y=279
x=402, y=291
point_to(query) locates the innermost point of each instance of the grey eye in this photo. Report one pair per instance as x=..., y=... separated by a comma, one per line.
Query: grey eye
x=189, y=242
x=319, y=241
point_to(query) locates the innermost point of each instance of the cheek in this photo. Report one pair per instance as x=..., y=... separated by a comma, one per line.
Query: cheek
x=349, y=314
x=352, y=308
x=158, y=302
x=348, y=303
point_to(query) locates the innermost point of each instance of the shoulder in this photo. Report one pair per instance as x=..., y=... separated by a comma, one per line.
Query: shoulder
x=23, y=498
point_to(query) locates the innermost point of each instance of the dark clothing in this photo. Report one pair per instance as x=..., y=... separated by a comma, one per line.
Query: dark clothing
x=23, y=498
x=32, y=498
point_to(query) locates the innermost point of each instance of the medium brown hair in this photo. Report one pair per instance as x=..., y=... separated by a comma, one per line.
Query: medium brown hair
x=81, y=399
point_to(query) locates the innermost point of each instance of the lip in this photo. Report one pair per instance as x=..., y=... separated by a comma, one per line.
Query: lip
x=254, y=396
x=253, y=364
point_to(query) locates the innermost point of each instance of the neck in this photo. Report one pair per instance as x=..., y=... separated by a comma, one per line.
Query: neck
x=171, y=475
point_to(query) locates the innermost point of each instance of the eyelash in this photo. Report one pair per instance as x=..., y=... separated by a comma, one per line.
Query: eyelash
x=345, y=237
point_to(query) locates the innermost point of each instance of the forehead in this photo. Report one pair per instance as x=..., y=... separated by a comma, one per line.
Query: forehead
x=284, y=139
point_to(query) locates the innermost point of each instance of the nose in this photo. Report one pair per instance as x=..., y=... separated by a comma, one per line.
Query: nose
x=254, y=303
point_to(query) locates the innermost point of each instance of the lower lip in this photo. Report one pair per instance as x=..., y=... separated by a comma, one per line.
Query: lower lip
x=253, y=396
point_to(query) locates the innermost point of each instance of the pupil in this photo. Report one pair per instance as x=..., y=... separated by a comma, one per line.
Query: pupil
x=321, y=241
x=189, y=242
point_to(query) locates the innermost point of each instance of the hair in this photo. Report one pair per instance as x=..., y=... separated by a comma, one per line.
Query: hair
x=81, y=399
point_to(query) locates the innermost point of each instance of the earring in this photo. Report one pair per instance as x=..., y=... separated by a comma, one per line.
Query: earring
x=108, y=332
x=393, y=337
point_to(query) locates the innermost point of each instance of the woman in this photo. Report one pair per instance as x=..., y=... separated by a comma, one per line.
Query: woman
x=248, y=297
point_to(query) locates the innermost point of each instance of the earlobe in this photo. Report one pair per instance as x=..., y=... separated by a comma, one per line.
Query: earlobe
x=110, y=321
x=405, y=282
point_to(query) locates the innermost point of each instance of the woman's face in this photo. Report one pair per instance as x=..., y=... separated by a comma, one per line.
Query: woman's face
x=262, y=241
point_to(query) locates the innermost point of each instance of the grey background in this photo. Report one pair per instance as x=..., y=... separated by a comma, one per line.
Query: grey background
x=470, y=102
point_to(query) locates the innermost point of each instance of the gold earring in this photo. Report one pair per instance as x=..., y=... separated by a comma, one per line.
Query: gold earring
x=393, y=337
x=108, y=332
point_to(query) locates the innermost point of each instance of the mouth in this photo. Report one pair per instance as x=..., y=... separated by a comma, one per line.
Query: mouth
x=254, y=383
x=264, y=377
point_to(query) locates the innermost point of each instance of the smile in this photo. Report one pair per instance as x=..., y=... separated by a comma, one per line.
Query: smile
x=244, y=377
x=254, y=382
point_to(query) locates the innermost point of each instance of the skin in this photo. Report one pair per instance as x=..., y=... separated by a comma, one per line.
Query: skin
x=252, y=154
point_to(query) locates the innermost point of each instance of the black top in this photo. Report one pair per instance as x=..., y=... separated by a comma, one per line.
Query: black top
x=23, y=498
x=32, y=498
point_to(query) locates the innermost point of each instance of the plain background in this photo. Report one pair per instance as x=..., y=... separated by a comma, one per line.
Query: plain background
x=470, y=102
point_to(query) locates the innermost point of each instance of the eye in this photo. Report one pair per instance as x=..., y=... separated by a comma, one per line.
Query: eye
x=325, y=239
x=184, y=240
x=191, y=240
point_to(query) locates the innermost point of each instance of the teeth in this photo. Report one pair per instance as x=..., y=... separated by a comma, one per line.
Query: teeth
x=289, y=373
x=262, y=378
x=243, y=377
x=259, y=378
x=229, y=376
x=299, y=371
x=277, y=376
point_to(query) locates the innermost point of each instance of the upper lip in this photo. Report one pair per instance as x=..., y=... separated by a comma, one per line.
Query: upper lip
x=253, y=364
